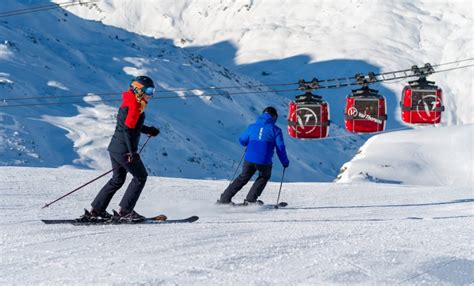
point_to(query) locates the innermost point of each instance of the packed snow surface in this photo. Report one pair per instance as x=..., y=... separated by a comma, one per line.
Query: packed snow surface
x=329, y=234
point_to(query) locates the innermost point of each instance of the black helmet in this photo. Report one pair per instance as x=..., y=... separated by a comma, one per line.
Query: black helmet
x=142, y=84
x=272, y=111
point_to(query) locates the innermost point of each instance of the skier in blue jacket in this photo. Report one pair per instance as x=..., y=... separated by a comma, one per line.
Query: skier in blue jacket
x=260, y=138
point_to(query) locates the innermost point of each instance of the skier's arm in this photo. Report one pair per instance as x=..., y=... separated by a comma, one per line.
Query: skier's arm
x=131, y=119
x=150, y=130
x=280, y=148
x=244, y=137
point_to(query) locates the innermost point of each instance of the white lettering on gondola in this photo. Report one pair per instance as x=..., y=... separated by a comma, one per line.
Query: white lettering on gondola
x=355, y=113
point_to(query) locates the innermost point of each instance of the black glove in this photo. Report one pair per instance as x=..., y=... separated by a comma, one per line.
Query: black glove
x=286, y=165
x=132, y=157
x=154, y=131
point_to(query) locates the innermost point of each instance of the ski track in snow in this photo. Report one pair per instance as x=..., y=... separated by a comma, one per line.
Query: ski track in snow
x=329, y=234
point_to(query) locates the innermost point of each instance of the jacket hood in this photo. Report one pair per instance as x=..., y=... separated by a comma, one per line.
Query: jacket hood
x=265, y=118
x=128, y=95
x=129, y=98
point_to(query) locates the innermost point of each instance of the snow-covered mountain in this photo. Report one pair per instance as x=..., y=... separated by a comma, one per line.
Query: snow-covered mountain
x=185, y=44
x=58, y=54
x=285, y=40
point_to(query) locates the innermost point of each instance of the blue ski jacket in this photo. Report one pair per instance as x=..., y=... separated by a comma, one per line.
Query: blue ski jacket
x=261, y=138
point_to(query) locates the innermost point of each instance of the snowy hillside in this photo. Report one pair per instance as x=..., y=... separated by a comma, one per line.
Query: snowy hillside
x=427, y=156
x=66, y=56
x=244, y=43
x=285, y=40
x=330, y=234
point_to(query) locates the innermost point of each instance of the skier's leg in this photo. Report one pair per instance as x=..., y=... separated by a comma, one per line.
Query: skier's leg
x=104, y=196
x=134, y=189
x=265, y=172
x=248, y=170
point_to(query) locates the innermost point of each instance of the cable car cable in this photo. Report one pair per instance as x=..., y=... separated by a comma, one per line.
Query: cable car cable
x=347, y=84
x=454, y=62
x=338, y=85
x=232, y=87
x=155, y=98
x=450, y=69
x=157, y=91
x=59, y=96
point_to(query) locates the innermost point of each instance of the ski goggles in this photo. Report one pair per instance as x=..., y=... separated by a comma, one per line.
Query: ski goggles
x=149, y=90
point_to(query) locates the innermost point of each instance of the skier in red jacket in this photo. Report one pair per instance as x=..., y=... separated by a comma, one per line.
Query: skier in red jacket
x=123, y=154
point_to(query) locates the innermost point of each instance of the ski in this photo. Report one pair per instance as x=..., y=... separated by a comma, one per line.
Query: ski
x=152, y=220
x=261, y=204
x=276, y=206
x=244, y=204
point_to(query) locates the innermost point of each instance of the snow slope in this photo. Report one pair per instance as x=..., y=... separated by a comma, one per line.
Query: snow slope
x=429, y=156
x=331, y=234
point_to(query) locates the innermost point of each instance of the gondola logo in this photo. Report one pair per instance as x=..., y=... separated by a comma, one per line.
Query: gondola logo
x=352, y=111
x=426, y=107
x=305, y=117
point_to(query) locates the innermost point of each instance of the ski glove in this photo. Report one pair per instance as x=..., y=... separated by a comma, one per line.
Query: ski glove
x=154, y=131
x=286, y=165
x=132, y=157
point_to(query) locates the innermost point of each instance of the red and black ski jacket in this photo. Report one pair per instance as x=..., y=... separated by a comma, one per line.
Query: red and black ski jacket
x=130, y=120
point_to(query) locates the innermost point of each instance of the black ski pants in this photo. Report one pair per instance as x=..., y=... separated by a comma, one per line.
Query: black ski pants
x=248, y=170
x=121, y=167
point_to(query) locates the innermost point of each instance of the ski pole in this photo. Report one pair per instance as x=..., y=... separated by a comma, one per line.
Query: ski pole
x=238, y=166
x=279, y=192
x=91, y=181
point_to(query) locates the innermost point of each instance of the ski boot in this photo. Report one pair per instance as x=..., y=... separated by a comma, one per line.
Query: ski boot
x=219, y=202
x=128, y=217
x=255, y=203
x=94, y=216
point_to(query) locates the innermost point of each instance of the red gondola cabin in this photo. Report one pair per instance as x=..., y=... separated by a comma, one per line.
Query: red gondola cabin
x=308, y=117
x=365, y=111
x=421, y=103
